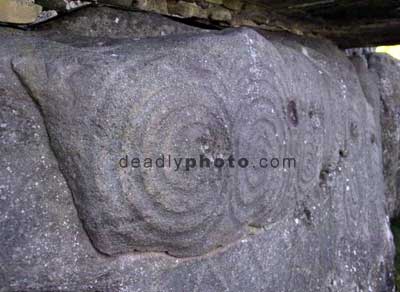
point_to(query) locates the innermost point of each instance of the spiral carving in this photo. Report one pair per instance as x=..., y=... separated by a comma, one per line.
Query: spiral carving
x=184, y=127
x=178, y=206
x=191, y=212
x=310, y=132
x=310, y=147
x=175, y=106
x=260, y=132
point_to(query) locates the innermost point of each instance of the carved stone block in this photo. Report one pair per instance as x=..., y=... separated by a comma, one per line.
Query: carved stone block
x=319, y=226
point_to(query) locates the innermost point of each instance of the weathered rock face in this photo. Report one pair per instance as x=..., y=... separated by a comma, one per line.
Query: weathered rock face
x=113, y=23
x=318, y=227
x=180, y=212
x=42, y=240
x=387, y=71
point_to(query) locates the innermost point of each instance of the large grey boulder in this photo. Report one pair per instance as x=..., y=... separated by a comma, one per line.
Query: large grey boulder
x=320, y=226
x=387, y=78
x=163, y=100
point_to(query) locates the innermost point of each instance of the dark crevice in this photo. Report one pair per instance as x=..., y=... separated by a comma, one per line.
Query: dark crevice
x=324, y=176
x=292, y=113
x=303, y=213
x=373, y=139
x=343, y=153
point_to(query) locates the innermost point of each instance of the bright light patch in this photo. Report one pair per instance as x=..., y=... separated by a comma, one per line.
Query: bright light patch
x=394, y=51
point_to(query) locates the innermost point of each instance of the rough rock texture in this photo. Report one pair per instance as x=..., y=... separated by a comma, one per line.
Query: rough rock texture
x=41, y=234
x=319, y=227
x=387, y=72
x=368, y=81
x=348, y=23
x=179, y=212
x=113, y=23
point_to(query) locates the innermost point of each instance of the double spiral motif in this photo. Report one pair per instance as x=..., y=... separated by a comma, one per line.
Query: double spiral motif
x=188, y=212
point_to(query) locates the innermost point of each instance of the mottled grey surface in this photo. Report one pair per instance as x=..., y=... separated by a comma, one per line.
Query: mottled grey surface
x=42, y=241
x=369, y=83
x=319, y=227
x=386, y=72
x=113, y=23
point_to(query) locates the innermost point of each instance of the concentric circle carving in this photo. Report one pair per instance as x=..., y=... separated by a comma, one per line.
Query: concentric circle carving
x=184, y=127
x=260, y=132
x=178, y=206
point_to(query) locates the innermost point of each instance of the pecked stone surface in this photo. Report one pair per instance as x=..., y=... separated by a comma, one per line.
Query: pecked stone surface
x=183, y=213
x=387, y=76
x=319, y=227
x=369, y=83
x=42, y=238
